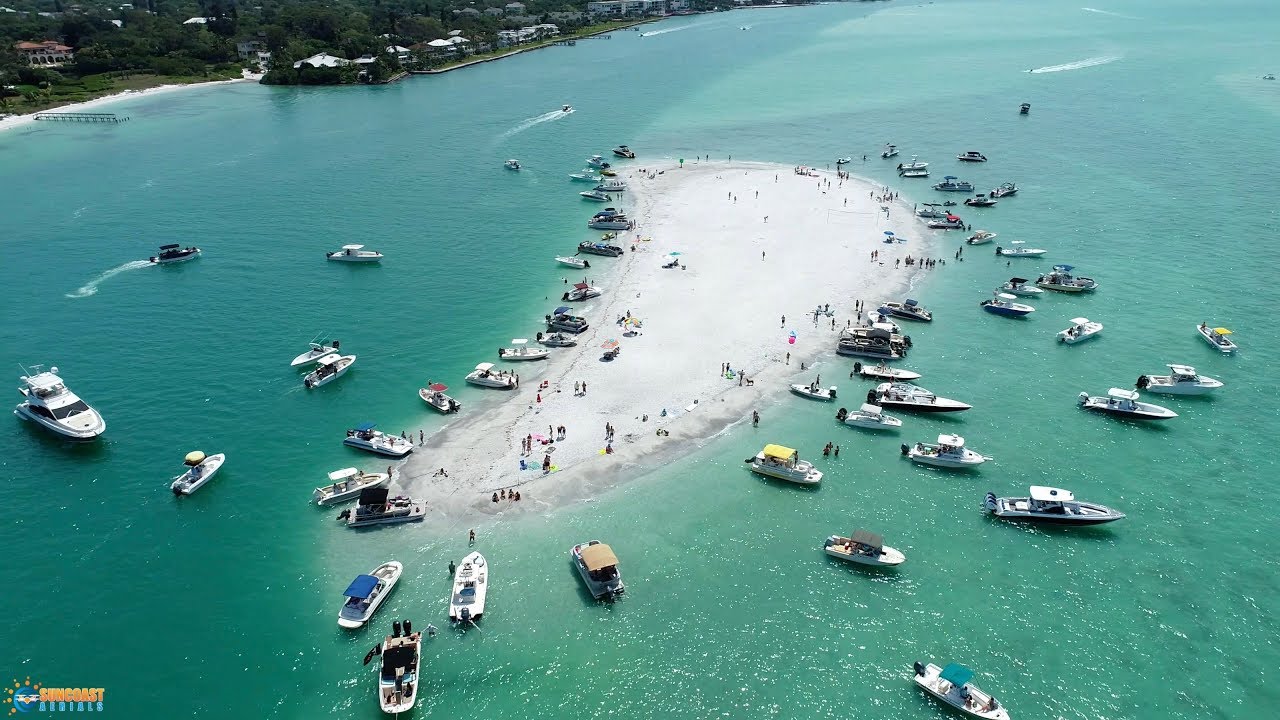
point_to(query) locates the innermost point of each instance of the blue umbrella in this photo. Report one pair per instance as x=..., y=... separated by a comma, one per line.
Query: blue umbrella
x=889, y=233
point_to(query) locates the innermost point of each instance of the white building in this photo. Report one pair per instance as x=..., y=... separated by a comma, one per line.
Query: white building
x=322, y=60
x=620, y=8
x=401, y=53
x=514, y=8
x=45, y=53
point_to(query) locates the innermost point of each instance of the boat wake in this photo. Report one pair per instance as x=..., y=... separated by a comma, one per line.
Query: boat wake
x=1077, y=65
x=670, y=30
x=91, y=287
x=530, y=122
x=1108, y=12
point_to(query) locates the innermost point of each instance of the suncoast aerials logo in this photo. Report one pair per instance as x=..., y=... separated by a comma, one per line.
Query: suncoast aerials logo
x=26, y=696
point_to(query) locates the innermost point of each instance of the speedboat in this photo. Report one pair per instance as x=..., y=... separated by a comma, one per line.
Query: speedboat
x=1005, y=190
x=914, y=173
x=1218, y=337
x=581, y=291
x=906, y=396
x=971, y=156
x=1024, y=108
x=512, y=164
x=1019, y=251
x=875, y=317
x=366, y=593
x=979, y=200
x=175, y=253
x=951, y=184
x=599, y=248
x=1053, y=505
x=868, y=416
x=612, y=186
x=784, y=463
x=596, y=195
x=909, y=310
x=609, y=219
x=346, y=485
x=376, y=507
x=398, y=675
x=354, y=253
x=1081, y=329
x=1002, y=304
x=951, y=685
x=623, y=151
x=328, y=368
x=930, y=211
x=49, y=402
x=433, y=395
x=596, y=161
x=864, y=548
x=556, y=340
x=470, y=581
x=1018, y=286
x=598, y=567
x=1062, y=280
x=606, y=172
x=573, y=262
x=1268, y=76
x=585, y=176
x=881, y=371
x=844, y=160
x=877, y=342
x=200, y=470
x=1124, y=403
x=814, y=392
x=521, y=351
x=889, y=151
x=949, y=452
x=485, y=376
x=1181, y=380
x=914, y=164
x=365, y=437
x=562, y=321
x=950, y=222
x=566, y=108
x=317, y=351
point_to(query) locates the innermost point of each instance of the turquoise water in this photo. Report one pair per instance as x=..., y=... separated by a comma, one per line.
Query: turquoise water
x=1147, y=172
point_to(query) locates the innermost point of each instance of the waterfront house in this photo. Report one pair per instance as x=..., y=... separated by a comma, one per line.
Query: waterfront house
x=622, y=8
x=322, y=60
x=514, y=8
x=250, y=49
x=401, y=53
x=46, y=53
x=493, y=12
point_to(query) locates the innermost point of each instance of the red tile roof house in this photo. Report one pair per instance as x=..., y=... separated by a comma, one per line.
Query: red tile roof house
x=46, y=53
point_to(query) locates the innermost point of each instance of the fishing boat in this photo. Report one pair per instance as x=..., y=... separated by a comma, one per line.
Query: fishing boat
x=868, y=416
x=1051, y=505
x=844, y=160
x=48, y=402
x=374, y=506
x=316, y=351
x=398, y=673
x=1061, y=280
x=784, y=463
x=980, y=200
x=971, y=156
x=365, y=437
x=814, y=392
x=881, y=371
x=951, y=184
x=1003, y=304
x=1218, y=337
x=521, y=351
x=950, y=222
x=1019, y=251
x=609, y=219
x=906, y=396
x=599, y=248
x=556, y=340
x=174, y=253
x=365, y=594
x=949, y=452
x=1181, y=380
x=952, y=686
x=597, y=195
x=598, y=566
x=612, y=186
x=623, y=151
x=1125, y=403
x=1005, y=190
x=354, y=253
x=1024, y=108
x=346, y=484
x=561, y=321
x=1081, y=329
x=908, y=310
x=864, y=548
x=930, y=211
x=200, y=470
x=433, y=395
x=913, y=164
x=586, y=175
x=889, y=151
x=1018, y=286
x=598, y=162
x=573, y=262
x=470, y=582
x=328, y=368
x=486, y=376
x=580, y=292
x=512, y=164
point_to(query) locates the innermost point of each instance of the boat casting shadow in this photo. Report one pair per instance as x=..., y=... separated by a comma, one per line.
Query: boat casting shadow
x=1100, y=533
x=92, y=448
x=888, y=574
x=589, y=600
x=1152, y=426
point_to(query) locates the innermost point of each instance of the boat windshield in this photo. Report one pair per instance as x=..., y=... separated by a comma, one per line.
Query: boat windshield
x=67, y=411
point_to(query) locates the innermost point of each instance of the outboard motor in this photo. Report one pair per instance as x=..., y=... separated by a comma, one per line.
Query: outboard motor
x=408, y=627
x=999, y=250
x=833, y=392
x=335, y=344
x=465, y=615
x=871, y=396
x=857, y=367
x=841, y=414
x=395, y=628
x=1143, y=382
x=919, y=668
x=905, y=448
x=1084, y=398
x=991, y=501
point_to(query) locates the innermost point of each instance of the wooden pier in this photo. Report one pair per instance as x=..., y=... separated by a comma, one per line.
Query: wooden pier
x=82, y=117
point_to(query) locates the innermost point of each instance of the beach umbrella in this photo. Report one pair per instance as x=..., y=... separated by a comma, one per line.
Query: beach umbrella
x=889, y=233
x=610, y=344
x=791, y=339
x=438, y=387
x=673, y=254
x=632, y=322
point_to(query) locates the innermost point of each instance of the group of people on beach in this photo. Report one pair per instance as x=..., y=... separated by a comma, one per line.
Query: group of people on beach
x=513, y=495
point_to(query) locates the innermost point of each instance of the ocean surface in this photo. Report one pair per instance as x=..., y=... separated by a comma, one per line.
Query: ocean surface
x=1147, y=161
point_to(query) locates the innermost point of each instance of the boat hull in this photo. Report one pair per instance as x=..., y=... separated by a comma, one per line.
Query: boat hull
x=387, y=572
x=1005, y=311
x=1187, y=389
x=86, y=428
x=942, y=406
x=810, y=477
x=395, y=451
x=952, y=697
x=825, y=394
x=208, y=469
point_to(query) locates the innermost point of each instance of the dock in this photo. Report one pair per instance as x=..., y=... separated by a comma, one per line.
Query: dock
x=81, y=117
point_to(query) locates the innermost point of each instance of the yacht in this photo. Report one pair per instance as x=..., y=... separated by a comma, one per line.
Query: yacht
x=1181, y=380
x=512, y=164
x=815, y=392
x=200, y=470
x=609, y=219
x=562, y=321
x=598, y=567
x=365, y=437
x=585, y=176
x=875, y=317
x=328, y=368
x=1018, y=286
x=366, y=593
x=599, y=248
x=1019, y=251
x=597, y=195
x=470, y=581
x=485, y=376
x=612, y=186
x=876, y=342
x=864, y=548
x=951, y=685
x=175, y=253
x=868, y=416
x=354, y=253
x=623, y=151
x=580, y=292
x=433, y=395
x=906, y=396
x=556, y=340
x=1053, y=505
x=912, y=165
x=932, y=211
x=949, y=452
x=980, y=200
x=1003, y=304
x=1119, y=401
x=909, y=310
x=521, y=351
x=346, y=485
x=1062, y=280
x=784, y=463
x=881, y=371
x=376, y=507
x=1081, y=329
x=597, y=162
x=573, y=262
x=951, y=184
x=1005, y=190
x=971, y=156
x=889, y=151
x=950, y=222
x=317, y=351
x=48, y=401
x=398, y=673
x=1218, y=337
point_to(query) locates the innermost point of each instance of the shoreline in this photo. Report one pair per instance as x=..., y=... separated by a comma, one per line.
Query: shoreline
x=519, y=51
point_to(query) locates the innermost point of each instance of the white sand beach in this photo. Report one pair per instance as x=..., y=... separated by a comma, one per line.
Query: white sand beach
x=742, y=273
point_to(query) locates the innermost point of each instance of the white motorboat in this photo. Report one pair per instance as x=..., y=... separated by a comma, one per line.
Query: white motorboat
x=328, y=368
x=365, y=437
x=1081, y=329
x=914, y=173
x=433, y=395
x=556, y=340
x=470, y=581
x=354, y=253
x=784, y=463
x=906, y=396
x=598, y=567
x=398, y=681
x=951, y=183
x=580, y=292
x=875, y=317
x=587, y=175
x=1018, y=286
x=864, y=548
x=949, y=452
x=981, y=237
x=566, y=108
x=623, y=151
x=317, y=351
x=1019, y=251
x=971, y=156
x=520, y=351
x=597, y=195
x=512, y=164
x=1051, y=505
x=1062, y=280
x=1125, y=403
x=909, y=310
x=815, y=392
x=1181, y=380
x=49, y=402
x=201, y=470
x=932, y=211
x=607, y=219
x=882, y=371
x=1005, y=190
x=374, y=506
x=980, y=200
x=889, y=151
x=612, y=186
x=175, y=253
x=914, y=164
x=346, y=485
x=844, y=160
x=366, y=593
x=485, y=376
x=952, y=686
x=1002, y=303
x=868, y=416
x=597, y=162
x=573, y=262
x=1218, y=337
x=951, y=222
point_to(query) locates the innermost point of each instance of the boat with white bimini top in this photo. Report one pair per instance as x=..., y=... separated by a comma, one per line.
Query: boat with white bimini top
x=1081, y=329
x=868, y=416
x=470, y=583
x=398, y=673
x=433, y=395
x=318, y=349
x=1003, y=304
x=784, y=463
x=328, y=368
x=1005, y=190
x=1019, y=251
x=366, y=593
x=950, y=222
x=930, y=211
x=844, y=160
x=376, y=507
x=598, y=566
x=1125, y=403
x=950, y=183
x=889, y=151
x=908, y=310
x=512, y=164
x=486, y=376
x=875, y=317
x=364, y=437
x=980, y=200
x=598, y=162
x=864, y=548
x=1062, y=280
x=612, y=186
x=573, y=262
x=814, y=391
x=587, y=175
x=971, y=156
x=623, y=151
x=175, y=253
x=556, y=340
x=1218, y=337
x=201, y=470
x=952, y=686
x=1051, y=505
x=597, y=195
x=48, y=401
x=354, y=253
x=1181, y=380
x=982, y=237
x=882, y=371
x=906, y=396
x=346, y=485
x=949, y=452
x=1018, y=286
x=522, y=351
x=581, y=291
x=913, y=164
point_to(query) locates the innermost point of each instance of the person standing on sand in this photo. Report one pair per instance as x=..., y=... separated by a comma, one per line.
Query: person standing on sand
x=766, y=218
x=755, y=418
x=788, y=358
x=761, y=255
x=784, y=321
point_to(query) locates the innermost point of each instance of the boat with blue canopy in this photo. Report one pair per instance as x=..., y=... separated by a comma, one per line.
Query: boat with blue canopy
x=366, y=593
x=953, y=685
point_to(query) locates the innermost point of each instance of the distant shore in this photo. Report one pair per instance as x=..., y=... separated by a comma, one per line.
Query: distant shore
x=530, y=48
